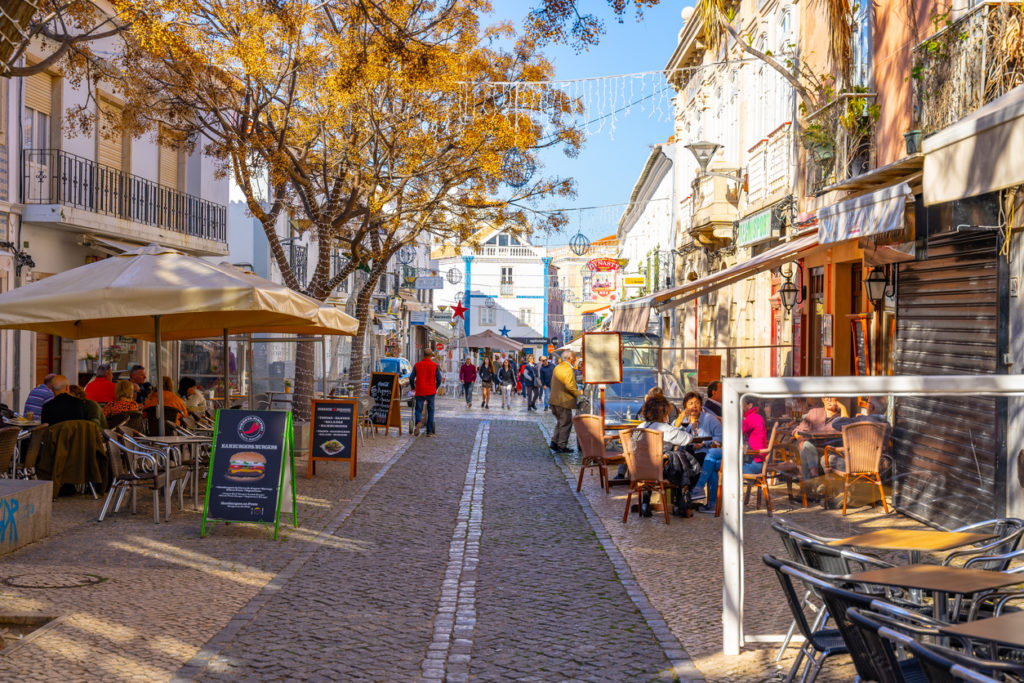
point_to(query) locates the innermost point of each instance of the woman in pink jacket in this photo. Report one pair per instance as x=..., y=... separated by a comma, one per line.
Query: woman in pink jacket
x=755, y=429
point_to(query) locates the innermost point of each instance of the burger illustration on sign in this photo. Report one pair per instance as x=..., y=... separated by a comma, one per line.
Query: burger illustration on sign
x=246, y=466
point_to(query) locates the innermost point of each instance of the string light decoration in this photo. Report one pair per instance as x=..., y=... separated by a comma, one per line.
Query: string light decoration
x=517, y=168
x=406, y=255
x=579, y=244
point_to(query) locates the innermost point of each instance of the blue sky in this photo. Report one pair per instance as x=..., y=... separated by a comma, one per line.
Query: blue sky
x=607, y=168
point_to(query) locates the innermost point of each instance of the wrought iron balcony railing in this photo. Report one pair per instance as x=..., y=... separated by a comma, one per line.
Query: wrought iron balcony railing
x=50, y=176
x=840, y=140
x=507, y=289
x=967, y=64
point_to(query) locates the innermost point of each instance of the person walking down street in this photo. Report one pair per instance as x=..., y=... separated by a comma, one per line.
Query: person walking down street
x=563, y=399
x=425, y=379
x=40, y=395
x=487, y=380
x=546, y=370
x=507, y=381
x=531, y=381
x=467, y=375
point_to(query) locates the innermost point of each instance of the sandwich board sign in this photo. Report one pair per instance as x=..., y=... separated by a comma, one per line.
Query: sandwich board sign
x=386, y=411
x=252, y=469
x=332, y=433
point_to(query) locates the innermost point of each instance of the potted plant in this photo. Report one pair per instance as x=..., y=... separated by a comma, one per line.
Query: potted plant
x=287, y=386
x=913, y=139
x=820, y=142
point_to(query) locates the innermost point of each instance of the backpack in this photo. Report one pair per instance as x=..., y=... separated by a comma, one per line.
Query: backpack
x=681, y=469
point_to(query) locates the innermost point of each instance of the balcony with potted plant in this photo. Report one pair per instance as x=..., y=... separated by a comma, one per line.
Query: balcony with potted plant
x=840, y=139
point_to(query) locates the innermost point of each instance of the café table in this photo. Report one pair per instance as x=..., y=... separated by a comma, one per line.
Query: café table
x=179, y=440
x=941, y=581
x=1006, y=629
x=914, y=541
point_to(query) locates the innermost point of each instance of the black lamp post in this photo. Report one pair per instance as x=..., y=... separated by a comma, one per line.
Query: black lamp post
x=875, y=284
x=788, y=293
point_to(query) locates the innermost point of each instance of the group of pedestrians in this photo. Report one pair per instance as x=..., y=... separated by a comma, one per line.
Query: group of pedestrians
x=531, y=379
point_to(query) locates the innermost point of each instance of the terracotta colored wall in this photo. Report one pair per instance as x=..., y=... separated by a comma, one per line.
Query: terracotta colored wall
x=899, y=26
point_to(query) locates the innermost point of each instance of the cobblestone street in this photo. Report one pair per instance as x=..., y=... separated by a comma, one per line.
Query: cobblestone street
x=468, y=556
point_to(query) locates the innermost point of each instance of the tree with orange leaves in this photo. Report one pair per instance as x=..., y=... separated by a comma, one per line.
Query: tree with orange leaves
x=369, y=124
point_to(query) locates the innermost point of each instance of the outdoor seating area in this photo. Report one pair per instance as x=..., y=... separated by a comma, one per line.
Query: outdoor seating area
x=906, y=621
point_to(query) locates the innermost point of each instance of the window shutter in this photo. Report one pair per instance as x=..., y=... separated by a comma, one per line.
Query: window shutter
x=39, y=92
x=109, y=147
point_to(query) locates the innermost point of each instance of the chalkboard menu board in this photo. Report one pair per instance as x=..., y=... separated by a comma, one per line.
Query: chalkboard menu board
x=384, y=392
x=252, y=472
x=861, y=353
x=332, y=433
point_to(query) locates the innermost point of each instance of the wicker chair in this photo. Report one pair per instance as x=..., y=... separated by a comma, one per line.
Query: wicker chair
x=645, y=461
x=8, y=442
x=590, y=433
x=171, y=416
x=30, y=453
x=862, y=452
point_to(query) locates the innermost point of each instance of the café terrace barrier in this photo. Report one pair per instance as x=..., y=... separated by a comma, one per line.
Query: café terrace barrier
x=734, y=388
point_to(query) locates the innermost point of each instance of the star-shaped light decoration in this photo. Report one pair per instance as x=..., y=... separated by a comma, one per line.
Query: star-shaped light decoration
x=504, y=331
x=458, y=310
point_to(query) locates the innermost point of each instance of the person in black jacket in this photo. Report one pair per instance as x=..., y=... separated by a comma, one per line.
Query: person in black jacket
x=63, y=406
x=546, y=371
x=487, y=380
x=507, y=381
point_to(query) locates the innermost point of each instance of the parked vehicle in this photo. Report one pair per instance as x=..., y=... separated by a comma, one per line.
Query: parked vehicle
x=623, y=401
x=401, y=366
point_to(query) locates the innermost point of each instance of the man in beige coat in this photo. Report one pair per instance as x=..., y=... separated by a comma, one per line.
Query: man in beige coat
x=563, y=399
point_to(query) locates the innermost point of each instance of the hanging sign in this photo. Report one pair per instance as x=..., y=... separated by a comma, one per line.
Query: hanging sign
x=332, y=433
x=252, y=469
x=384, y=390
x=603, y=284
x=429, y=282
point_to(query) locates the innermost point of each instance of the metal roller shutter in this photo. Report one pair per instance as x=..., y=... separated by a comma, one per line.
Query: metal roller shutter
x=39, y=92
x=949, y=452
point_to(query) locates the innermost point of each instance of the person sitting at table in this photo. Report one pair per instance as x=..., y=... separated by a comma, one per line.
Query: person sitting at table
x=192, y=394
x=171, y=399
x=703, y=425
x=875, y=412
x=124, y=401
x=101, y=387
x=816, y=421
x=143, y=389
x=93, y=411
x=673, y=412
x=656, y=411
x=63, y=406
x=713, y=403
x=39, y=395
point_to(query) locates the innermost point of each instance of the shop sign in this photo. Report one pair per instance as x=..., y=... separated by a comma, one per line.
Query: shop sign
x=418, y=318
x=603, y=276
x=429, y=282
x=634, y=281
x=754, y=229
x=442, y=316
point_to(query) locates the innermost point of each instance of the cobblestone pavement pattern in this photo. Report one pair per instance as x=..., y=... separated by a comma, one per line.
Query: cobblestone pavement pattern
x=549, y=603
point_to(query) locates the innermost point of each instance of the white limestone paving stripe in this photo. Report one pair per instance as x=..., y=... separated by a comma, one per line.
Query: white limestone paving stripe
x=456, y=610
x=682, y=665
x=194, y=667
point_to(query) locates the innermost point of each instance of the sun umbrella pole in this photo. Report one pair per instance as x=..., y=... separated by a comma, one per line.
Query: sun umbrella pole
x=323, y=364
x=159, y=382
x=227, y=372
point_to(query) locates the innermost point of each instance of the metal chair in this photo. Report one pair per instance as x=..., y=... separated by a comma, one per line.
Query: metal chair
x=130, y=469
x=1008, y=532
x=171, y=416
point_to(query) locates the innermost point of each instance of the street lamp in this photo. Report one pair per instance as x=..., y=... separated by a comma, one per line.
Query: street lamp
x=788, y=293
x=704, y=152
x=875, y=284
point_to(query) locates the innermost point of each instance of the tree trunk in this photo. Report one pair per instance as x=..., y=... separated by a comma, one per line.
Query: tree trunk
x=355, y=371
x=305, y=362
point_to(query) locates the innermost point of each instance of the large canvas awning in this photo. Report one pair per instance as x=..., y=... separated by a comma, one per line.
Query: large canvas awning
x=630, y=319
x=871, y=214
x=978, y=154
x=772, y=258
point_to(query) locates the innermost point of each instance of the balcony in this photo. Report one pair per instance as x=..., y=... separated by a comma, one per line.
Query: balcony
x=714, y=200
x=507, y=289
x=967, y=64
x=58, y=187
x=840, y=140
x=508, y=252
x=769, y=167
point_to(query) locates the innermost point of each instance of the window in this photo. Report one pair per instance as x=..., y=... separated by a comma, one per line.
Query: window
x=862, y=38
x=506, y=275
x=525, y=317
x=487, y=315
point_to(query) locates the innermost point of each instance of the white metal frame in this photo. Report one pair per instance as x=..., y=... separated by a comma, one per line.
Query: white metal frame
x=734, y=388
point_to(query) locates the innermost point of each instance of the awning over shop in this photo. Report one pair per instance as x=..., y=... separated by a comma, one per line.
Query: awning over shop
x=411, y=303
x=108, y=246
x=772, y=258
x=440, y=330
x=630, y=319
x=490, y=340
x=870, y=214
x=978, y=154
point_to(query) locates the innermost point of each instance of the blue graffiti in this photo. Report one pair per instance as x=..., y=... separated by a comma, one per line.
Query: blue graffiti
x=8, y=522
